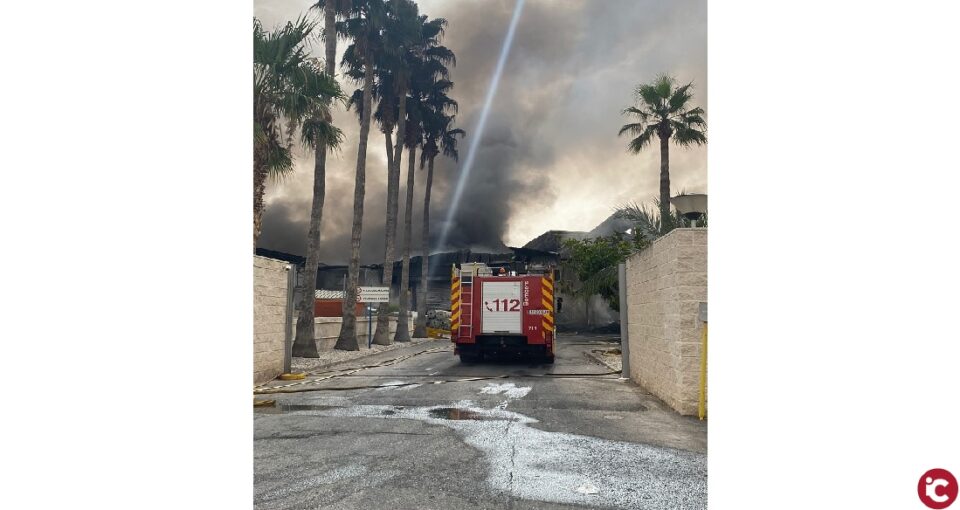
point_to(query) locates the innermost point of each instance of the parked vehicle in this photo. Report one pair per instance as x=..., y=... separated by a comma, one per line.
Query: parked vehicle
x=502, y=312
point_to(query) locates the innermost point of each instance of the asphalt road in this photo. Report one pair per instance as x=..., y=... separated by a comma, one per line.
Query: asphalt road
x=414, y=434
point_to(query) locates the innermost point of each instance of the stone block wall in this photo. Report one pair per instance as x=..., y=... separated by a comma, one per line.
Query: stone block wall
x=269, y=312
x=326, y=330
x=666, y=283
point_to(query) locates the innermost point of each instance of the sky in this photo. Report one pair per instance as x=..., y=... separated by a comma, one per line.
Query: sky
x=550, y=157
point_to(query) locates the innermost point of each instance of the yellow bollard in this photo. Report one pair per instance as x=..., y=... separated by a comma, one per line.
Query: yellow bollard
x=702, y=409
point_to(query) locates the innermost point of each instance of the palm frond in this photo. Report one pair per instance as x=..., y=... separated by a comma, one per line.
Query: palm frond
x=667, y=108
x=340, y=7
x=650, y=97
x=449, y=143
x=441, y=54
x=643, y=115
x=663, y=84
x=645, y=221
x=356, y=102
x=636, y=127
x=317, y=131
x=429, y=108
x=680, y=97
x=686, y=135
x=646, y=136
x=279, y=159
x=290, y=89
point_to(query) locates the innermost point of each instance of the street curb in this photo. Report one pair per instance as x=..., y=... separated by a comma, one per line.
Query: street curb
x=600, y=360
x=392, y=347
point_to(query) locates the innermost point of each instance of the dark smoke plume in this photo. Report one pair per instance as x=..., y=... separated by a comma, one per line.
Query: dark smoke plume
x=551, y=131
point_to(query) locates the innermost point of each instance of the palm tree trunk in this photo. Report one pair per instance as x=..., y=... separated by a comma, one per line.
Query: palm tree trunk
x=403, y=333
x=420, y=327
x=330, y=35
x=382, y=335
x=259, y=187
x=305, y=345
x=665, y=223
x=388, y=145
x=347, y=340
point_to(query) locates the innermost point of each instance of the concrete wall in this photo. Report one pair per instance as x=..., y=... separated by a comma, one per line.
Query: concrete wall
x=269, y=311
x=327, y=329
x=665, y=285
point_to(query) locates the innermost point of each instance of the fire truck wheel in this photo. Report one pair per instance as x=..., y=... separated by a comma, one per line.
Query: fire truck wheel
x=548, y=359
x=469, y=358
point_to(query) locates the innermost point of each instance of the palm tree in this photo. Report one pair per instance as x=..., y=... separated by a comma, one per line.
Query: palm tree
x=664, y=111
x=304, y=344
x=391, y=77
x=363, y=26
x=428, y=79
x=437, y=127
x=412, y=140
x=401, y=36
x=289, y=89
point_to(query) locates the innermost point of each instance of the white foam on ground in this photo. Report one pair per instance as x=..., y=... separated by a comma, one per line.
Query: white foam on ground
x=389, y=385
x=567, y=468
x=509, y=390
x=587, y=488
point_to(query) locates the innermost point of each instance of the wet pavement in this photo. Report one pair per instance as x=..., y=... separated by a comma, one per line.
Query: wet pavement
x=430, y=432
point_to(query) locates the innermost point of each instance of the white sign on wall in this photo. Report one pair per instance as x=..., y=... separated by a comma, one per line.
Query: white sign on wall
x=373, y=294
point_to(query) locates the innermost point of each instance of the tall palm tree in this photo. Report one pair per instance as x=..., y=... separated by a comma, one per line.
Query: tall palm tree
x=429, y=81
x=401, y=36
x=391, y=77
x=440, y=136
x=289, y=89
x=363, y=25
x=304, y=344
x=664, y=111
x=412, y=140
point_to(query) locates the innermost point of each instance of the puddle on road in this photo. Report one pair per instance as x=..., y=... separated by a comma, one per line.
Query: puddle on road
x=455, y=413
x=289, y=408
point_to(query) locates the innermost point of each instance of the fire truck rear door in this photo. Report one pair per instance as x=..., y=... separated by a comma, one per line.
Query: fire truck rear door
x=501, y=311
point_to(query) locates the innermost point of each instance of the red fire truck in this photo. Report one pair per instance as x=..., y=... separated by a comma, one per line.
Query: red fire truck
x=502, y=312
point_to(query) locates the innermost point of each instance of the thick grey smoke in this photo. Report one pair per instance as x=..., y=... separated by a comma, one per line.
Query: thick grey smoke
x=550, y=158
